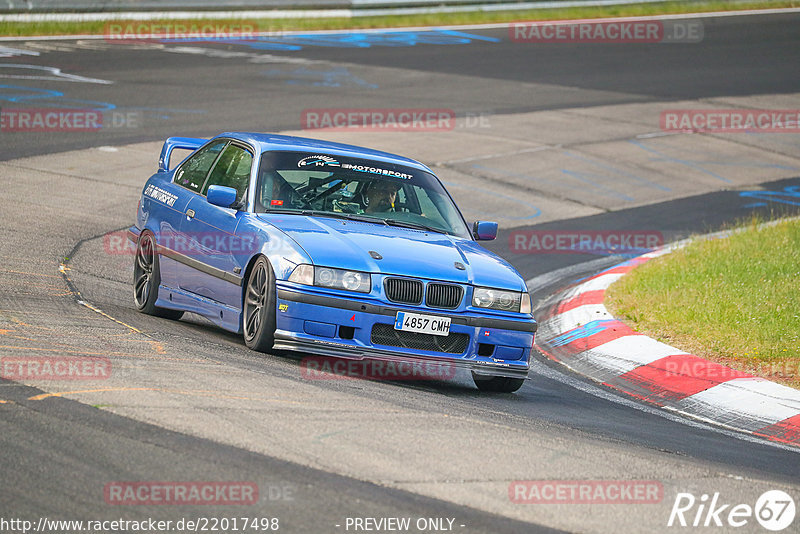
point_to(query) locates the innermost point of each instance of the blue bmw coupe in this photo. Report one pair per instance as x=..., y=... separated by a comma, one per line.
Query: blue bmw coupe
x=328, y=249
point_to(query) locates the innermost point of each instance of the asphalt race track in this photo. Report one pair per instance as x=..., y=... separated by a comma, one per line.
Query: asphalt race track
x=548, y=137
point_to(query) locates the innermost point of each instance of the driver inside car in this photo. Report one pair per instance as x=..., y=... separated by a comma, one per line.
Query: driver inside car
x=380, y=197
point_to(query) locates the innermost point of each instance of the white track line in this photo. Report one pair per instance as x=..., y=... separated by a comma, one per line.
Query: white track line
x=307, y=13
x=179, y=15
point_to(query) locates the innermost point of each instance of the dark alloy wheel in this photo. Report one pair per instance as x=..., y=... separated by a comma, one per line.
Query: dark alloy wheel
x=258, y=317
x=147, y=277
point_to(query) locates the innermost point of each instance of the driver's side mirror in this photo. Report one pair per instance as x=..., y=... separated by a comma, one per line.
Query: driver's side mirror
x=220, y=195
x=484, y=230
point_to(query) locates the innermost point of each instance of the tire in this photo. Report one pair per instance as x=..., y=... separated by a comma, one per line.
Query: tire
x=258, y=308
x=497, y=384
x=147, y=277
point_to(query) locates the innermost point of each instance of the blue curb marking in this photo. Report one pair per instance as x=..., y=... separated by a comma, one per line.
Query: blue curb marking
x=583, y=331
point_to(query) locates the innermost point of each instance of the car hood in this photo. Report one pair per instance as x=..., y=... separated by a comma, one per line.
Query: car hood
x=347, y=244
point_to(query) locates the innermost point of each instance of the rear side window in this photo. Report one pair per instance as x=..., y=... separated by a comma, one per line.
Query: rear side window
x=232, y=169
x=193, y=172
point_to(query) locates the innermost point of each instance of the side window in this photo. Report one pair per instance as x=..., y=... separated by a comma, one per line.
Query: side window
x=232, y=170
x=193, y=172
x=430, y=207
x=282, y=186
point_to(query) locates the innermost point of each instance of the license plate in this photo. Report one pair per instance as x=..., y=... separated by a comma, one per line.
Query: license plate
x=422, y=324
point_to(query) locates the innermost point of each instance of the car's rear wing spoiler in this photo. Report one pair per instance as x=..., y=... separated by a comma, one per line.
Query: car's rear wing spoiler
x=186, y=143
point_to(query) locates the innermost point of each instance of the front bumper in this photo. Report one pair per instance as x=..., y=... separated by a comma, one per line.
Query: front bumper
x=329, y=325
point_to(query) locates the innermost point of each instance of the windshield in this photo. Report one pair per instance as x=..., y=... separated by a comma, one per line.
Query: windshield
x=347, y=187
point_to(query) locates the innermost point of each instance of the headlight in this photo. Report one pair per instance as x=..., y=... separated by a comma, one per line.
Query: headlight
x=334, y=278
x=499, y=299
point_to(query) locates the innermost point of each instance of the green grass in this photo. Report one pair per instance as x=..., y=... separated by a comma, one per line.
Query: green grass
x=734, y=300
x=16, y=29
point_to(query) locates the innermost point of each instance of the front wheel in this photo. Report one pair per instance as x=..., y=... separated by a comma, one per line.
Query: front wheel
x=147, y=278
x=497, y=384
x=258, y=311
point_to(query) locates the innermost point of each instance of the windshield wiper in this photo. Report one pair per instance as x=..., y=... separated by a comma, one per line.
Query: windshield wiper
x=359, y=218
x=332, y=214
x=416, y=226
x=343, y=215
x=282, y=211
x=363, y=218
x=298, y=211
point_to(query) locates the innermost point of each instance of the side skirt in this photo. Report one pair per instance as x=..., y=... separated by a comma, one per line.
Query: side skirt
x=223, y=316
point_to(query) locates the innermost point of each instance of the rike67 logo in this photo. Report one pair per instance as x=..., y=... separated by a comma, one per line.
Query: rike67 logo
x=774, y=510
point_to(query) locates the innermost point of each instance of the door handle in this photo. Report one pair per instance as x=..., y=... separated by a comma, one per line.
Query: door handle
x=189, y=214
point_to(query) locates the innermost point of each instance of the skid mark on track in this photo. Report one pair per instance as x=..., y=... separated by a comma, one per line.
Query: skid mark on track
x=37, y=331
x=197, y=393
x=593, y=180
x=29, y=274
x=8, y=332
x=534, y=211
x=614, y=171
x=488, y=171
x=334, y=77
x=688, y=163
x=157, y=347
x=61, y=350
x=320, y=437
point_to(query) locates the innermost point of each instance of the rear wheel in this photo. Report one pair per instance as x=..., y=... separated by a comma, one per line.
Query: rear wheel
x=147, y=277
x=258, y=312
x=497, y=384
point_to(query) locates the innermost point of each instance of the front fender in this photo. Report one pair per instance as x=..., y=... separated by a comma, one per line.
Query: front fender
x=283, y=252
